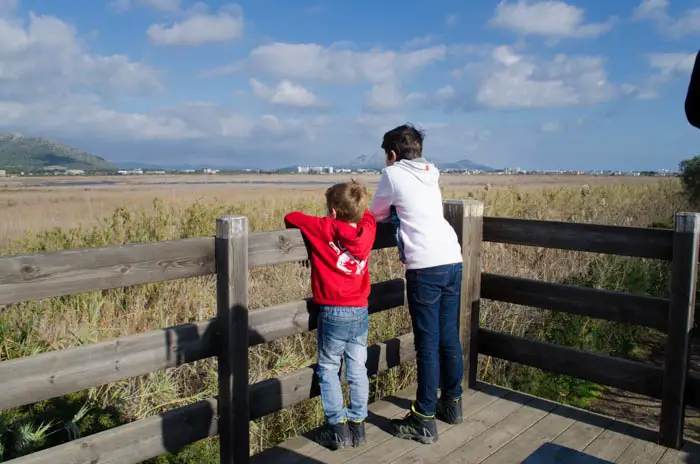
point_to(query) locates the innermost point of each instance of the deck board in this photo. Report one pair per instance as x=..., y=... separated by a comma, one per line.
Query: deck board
x=500, y=427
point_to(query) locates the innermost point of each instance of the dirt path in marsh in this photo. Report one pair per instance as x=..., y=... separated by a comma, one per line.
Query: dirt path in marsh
x=642, y=410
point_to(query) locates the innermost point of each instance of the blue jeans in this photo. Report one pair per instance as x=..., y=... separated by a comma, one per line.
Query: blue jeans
x=433, y=301
x=343, y=331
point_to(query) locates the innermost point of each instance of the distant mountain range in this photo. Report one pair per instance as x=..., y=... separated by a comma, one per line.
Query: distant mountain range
x=376, y=161
x=19, y=151
x=31, y=153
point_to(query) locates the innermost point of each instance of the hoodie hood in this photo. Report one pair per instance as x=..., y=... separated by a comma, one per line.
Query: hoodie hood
x=421, y=169
x=357, y=241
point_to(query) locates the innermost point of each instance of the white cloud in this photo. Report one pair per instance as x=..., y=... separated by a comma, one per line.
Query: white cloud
x=169, y=6
x=313, y=62
x=286, y=93
x=672, y=64
x=52, y=85
x=8, y=7
x=650, y=9
x=451, y=20
x=419, y=42
x=200, y=28
x=549, y=18
x=512, y=80
x=383, y=69
x=688, y=23
x=549, y=127
x=384, y=96
x=665, y=67
x=50, y=81
x=46, y=57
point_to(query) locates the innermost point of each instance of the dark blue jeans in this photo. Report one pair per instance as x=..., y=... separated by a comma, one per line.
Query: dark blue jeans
x=433, y=301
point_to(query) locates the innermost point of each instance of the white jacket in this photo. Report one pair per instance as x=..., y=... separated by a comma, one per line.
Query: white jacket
x=409, y=194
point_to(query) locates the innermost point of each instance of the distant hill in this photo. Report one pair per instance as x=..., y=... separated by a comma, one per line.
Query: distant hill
x=19, y=151
x=465, y=164
x=376, y=161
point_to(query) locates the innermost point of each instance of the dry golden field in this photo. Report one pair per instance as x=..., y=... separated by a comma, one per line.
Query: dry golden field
x=30, y=204
x=39, y=215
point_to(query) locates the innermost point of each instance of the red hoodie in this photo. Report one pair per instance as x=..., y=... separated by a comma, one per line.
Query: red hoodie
x=339, y=257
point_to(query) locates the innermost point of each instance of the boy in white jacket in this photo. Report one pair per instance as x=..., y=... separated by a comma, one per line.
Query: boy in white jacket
x=409, y=195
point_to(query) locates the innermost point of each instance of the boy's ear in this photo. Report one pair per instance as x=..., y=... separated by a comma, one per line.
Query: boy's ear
x=391, y=156
x=332, y=213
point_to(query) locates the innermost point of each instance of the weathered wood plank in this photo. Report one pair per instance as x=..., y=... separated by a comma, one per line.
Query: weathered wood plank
x=584, y=431
x=480, y=448
x=466, y=218
x=625, y=241
x=672, y=456
x=475, y=424
x=395, y=449
x=528, y=441
x=48, y=375
x=304, y=448
x=44, y=275
x=147, y=438
x=375, y=429
x=628, y=375
x=135, y=442
x=381, y=415
x=231, y=251
x=609, y=445
x=642, y=452
x=684, y=276
x=600, y=304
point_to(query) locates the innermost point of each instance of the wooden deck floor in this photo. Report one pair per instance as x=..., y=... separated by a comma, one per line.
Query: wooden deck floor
x=500, y=427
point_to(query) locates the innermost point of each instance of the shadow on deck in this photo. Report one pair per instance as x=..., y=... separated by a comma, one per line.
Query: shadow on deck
x=500, y=426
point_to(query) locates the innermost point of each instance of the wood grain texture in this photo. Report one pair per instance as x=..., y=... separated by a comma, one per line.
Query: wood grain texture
x=37, y=276
x=625, y=241
x=684, y=273
x=44, y=275
x=466, y=218
x=231, y=252
x=169, y=432
x=600, y=304
x=48, y=375
x=632, y=376
x=137, y=441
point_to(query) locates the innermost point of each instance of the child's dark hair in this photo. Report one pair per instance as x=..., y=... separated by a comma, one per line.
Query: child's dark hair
x=349, y=200
x=406, y=141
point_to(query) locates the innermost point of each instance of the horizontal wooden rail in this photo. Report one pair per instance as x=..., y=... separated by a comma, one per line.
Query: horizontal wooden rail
x=637, y=242
x=170, y=431
x=48, y=375
x=600, y=304
x=44, y=275
x=636, y=377
x=633, y=376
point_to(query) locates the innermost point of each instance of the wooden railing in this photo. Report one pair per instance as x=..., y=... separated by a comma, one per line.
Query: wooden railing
x=234, y=251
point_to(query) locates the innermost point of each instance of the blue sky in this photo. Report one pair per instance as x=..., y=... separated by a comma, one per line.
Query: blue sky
x=535, y=84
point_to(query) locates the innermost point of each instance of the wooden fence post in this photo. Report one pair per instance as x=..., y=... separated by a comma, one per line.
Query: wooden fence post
x=467, y=218
x=680, y=323
x=232, y=319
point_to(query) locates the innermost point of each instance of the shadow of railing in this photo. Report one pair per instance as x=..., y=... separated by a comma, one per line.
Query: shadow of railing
x=550, y=453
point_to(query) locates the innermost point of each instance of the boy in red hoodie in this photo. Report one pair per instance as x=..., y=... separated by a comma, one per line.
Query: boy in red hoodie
x=341, y=244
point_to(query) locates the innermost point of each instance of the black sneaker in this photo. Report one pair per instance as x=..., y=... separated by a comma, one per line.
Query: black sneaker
x=415, y=427
x=335, y=437
x=450, y=411
x=357, y=431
